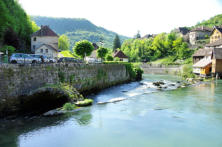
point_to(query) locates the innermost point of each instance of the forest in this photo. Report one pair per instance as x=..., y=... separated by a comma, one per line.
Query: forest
x=15, y=26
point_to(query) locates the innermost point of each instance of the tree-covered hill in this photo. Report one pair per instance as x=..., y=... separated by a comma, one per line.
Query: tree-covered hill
x=213, y=21
x=78, y=29
x=15, y=25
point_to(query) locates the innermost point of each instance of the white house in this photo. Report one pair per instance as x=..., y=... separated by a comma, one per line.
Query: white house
x=45, y=42
x=121, y=56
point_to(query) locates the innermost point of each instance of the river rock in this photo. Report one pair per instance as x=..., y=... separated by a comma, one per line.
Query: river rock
x=159, y=83
x=116, y=100
x=112, y=100
x=54, y=112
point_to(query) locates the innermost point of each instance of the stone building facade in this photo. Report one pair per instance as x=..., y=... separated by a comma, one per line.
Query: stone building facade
x=198, y=34
x=45, y=42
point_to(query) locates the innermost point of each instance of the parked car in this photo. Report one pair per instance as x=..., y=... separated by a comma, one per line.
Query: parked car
x=22, y=58
x=93, y=60
x=69, y=60
x=39, y=58
x=51, y=60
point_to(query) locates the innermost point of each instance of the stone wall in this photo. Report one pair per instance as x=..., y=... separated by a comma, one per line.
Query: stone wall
x=21, y=79
x=18, y=81
x=161, y=69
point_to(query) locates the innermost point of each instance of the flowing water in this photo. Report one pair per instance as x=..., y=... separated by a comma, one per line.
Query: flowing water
x=184, y=117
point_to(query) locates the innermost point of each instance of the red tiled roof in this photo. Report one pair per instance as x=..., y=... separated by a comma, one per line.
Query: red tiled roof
x=44, y=31
x=120, y=54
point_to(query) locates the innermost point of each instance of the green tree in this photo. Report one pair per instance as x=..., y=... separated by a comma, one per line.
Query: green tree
x=102, y=52
x=15, y=25
x=83, y=48
x=10, y=49
x=116, y=43
x=63, y=42
x=109, y=58
x=35, y=27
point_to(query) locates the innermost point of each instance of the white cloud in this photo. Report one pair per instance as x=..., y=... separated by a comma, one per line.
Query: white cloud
x=127, y=16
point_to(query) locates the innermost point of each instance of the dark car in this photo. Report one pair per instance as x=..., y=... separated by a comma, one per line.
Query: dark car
x=69, y=60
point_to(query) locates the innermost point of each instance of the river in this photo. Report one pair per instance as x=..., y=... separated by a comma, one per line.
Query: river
x=184, y=117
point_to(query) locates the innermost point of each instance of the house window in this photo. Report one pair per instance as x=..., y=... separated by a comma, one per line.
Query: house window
x=34, y=47
x=46, y=50
x=41, y=50
x=34, y=39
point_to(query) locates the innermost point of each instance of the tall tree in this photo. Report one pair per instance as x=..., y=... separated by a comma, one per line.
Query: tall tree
x=138, y=35
x=63, y=42
x=83, y=48
x=116, y=43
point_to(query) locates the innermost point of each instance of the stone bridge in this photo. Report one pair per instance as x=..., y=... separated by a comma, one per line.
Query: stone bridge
x=18, y=81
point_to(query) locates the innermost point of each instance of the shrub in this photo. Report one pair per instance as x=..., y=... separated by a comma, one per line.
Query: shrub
x=116, y=59
x=109, y=58
x=188, y=71
x=68, y=107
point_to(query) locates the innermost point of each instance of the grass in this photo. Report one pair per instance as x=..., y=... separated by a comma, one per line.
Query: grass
x=170, y=60
x=67, y=54
x=167, y=61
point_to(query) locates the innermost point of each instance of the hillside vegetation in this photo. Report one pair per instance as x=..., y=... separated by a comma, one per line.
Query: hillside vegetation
x=163, y=45
x=78, y=29
x=15, y=25
x=213, y=21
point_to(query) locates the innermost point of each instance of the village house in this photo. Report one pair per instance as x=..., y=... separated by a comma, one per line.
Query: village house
x=216, y=34
x=45, y=42
x=198, y=34
x=121, y=56
x=217, y=62
x=203, y=67
x=201, y=53
x=209, y=60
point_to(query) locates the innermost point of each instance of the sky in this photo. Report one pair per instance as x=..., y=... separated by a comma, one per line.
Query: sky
x=126, y=17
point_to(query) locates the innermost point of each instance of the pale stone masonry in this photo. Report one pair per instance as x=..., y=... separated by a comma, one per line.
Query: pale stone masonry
x=45, y=42
x=198, y=34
